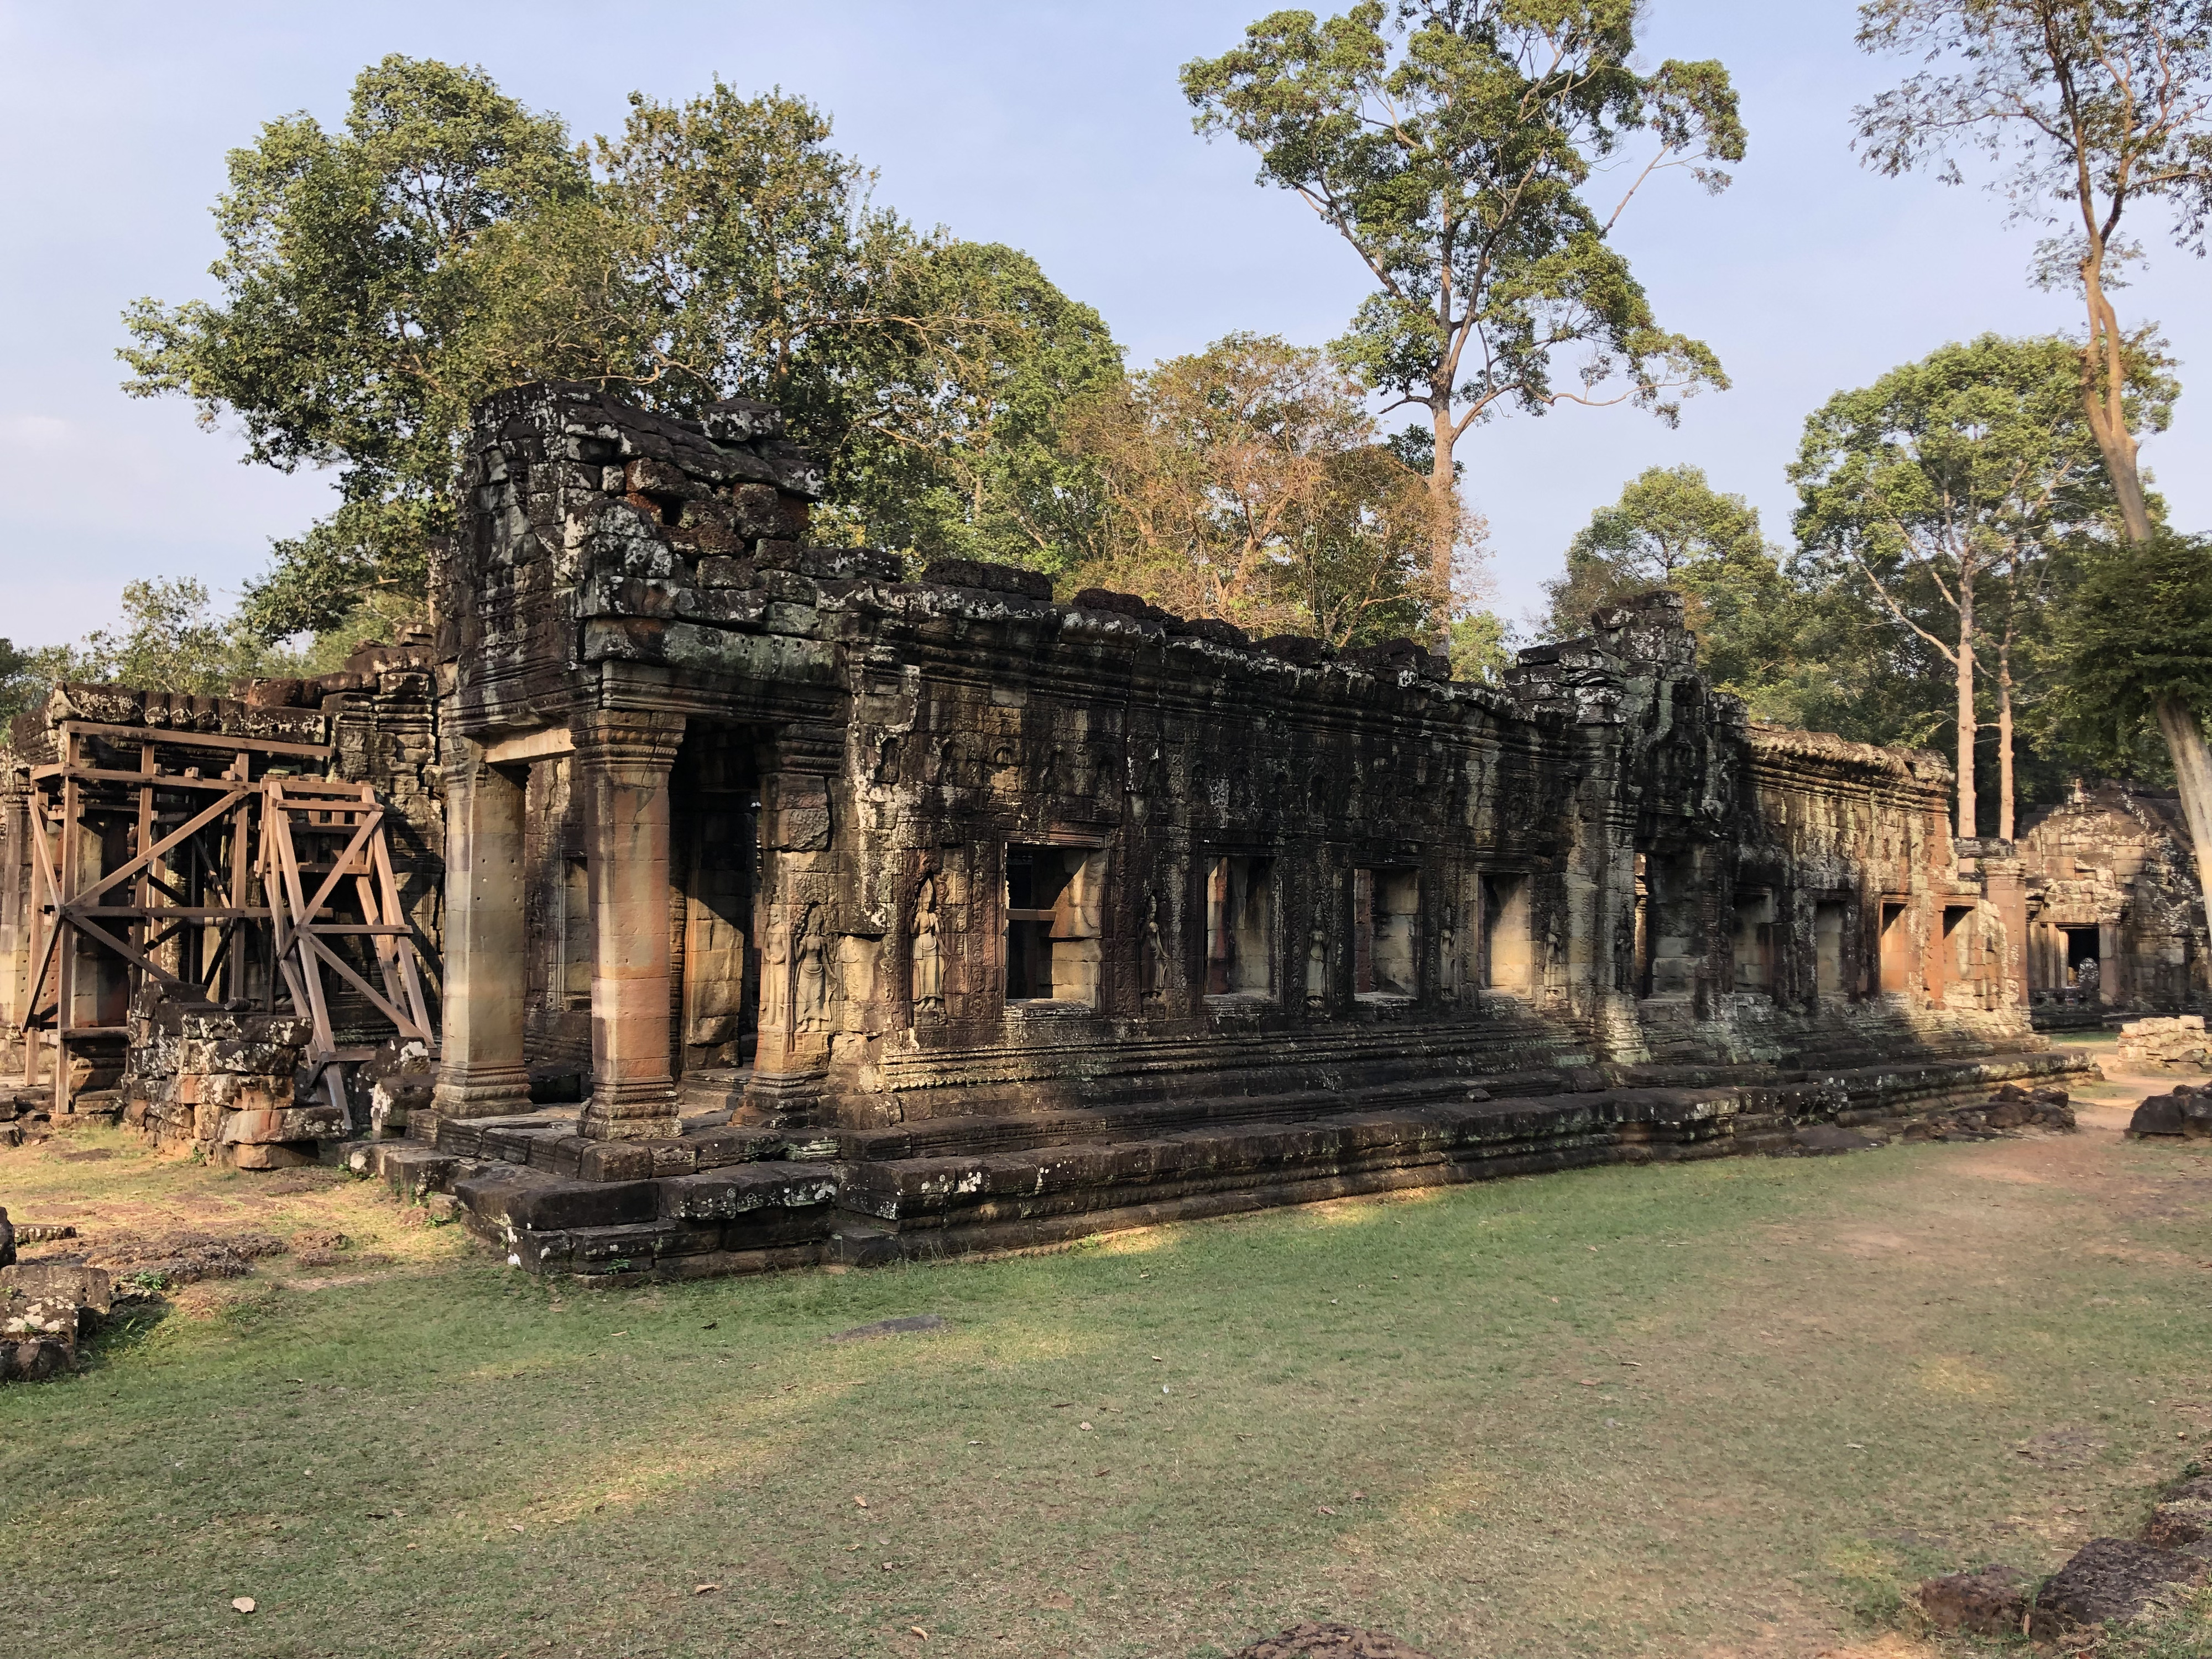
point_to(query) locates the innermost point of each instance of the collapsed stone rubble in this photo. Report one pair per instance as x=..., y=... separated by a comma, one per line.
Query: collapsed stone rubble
x=2184, y=1112
x=45, y=1310
x=223, y=1083
x=2171, y=1043
x=2106, y=1581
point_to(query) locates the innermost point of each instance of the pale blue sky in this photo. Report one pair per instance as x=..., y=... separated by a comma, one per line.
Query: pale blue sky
x=1058, y=129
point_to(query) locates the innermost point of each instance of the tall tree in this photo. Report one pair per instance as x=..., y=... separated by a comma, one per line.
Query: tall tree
x=2138, y=640
x=2094, y=107
x=1449, y=143
x=1944, y=486
x=961, y=449
x=447, y=242
x=1671, y=528
x=1246, y=481
x=347, y=333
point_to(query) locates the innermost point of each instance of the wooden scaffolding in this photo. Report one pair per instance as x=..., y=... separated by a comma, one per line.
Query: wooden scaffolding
x=193, y=868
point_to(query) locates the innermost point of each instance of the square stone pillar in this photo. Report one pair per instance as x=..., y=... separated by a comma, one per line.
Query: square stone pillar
x=622, y=760
x=2004, y=883
x=480, y=1069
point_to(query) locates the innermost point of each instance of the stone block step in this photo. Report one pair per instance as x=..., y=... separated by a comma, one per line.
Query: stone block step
x=410, y=1169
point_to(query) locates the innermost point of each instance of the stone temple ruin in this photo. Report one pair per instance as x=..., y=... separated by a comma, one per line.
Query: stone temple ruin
x=794, y=910
x=2115, y=920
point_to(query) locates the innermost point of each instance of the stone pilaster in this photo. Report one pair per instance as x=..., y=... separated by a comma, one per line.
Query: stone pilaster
x=2004, y=885
x=481, y=1071
x=622, y=760
x=801, y=1007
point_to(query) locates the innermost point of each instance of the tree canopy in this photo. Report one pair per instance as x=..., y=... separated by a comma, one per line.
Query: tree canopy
x=1248, y=482
x=2091, y=106
x=378, y=280
x=1671, y=528
x=1449, y=143
x=1943, y=492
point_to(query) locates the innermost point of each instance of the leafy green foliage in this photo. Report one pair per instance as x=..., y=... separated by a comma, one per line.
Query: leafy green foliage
x=1948, y=496
x=347, y=334
x=2093, y=107
x=2138, y=631
x=1449, y=142
x=447, y=241
x=1671, y=528
x=24, y=676
x=962, y=451
x=1481, y=647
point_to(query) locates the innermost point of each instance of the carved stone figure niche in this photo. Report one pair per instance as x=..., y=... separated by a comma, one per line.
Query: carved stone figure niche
x=1666, y=924
x=1754, y=941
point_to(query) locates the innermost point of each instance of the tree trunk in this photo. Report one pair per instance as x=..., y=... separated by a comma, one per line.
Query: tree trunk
x=2192, y=772
x=2107, y=409
x=2177, y=724
x=1444, y=500
x=2004, y=739
x=1966, y=723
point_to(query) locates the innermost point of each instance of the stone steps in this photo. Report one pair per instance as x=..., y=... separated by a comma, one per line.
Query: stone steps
x=734, y=1199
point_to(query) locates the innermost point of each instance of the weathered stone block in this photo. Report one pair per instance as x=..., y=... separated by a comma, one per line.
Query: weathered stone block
x=1992, y=1600
x=249, y=1125
x=2109, y=1579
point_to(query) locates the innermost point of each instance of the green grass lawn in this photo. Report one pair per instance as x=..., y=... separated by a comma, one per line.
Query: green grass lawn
x=1728, y=1407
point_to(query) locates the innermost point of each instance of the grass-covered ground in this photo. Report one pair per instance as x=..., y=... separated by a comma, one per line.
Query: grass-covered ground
x=1731, y=1408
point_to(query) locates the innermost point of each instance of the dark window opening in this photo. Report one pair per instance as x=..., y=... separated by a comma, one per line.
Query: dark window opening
x=1054, y=898
x=1386, y=953
x=2083, y=945
x=1240, y=928
x=1509, y=938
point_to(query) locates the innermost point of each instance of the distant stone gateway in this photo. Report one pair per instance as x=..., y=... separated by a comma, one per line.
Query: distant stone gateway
x=795, y=910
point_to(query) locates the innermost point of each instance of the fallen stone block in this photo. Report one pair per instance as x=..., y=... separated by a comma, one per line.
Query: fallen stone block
x=45, y=1310
x=1991, y=1600
x=275, y=1127
x=2109, y=1580
x=1312, y=1641
x=412, y=1171
x=82, y=1287
x=2183, y=1113
x=2183, y=1516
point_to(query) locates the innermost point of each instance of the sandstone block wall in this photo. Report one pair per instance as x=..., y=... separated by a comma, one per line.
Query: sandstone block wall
x=948, y=847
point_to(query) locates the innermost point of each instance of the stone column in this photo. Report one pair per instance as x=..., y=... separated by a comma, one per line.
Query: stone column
x=2004, y=883
x=622, y=760
x=14, y=943
x=480, y=1069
